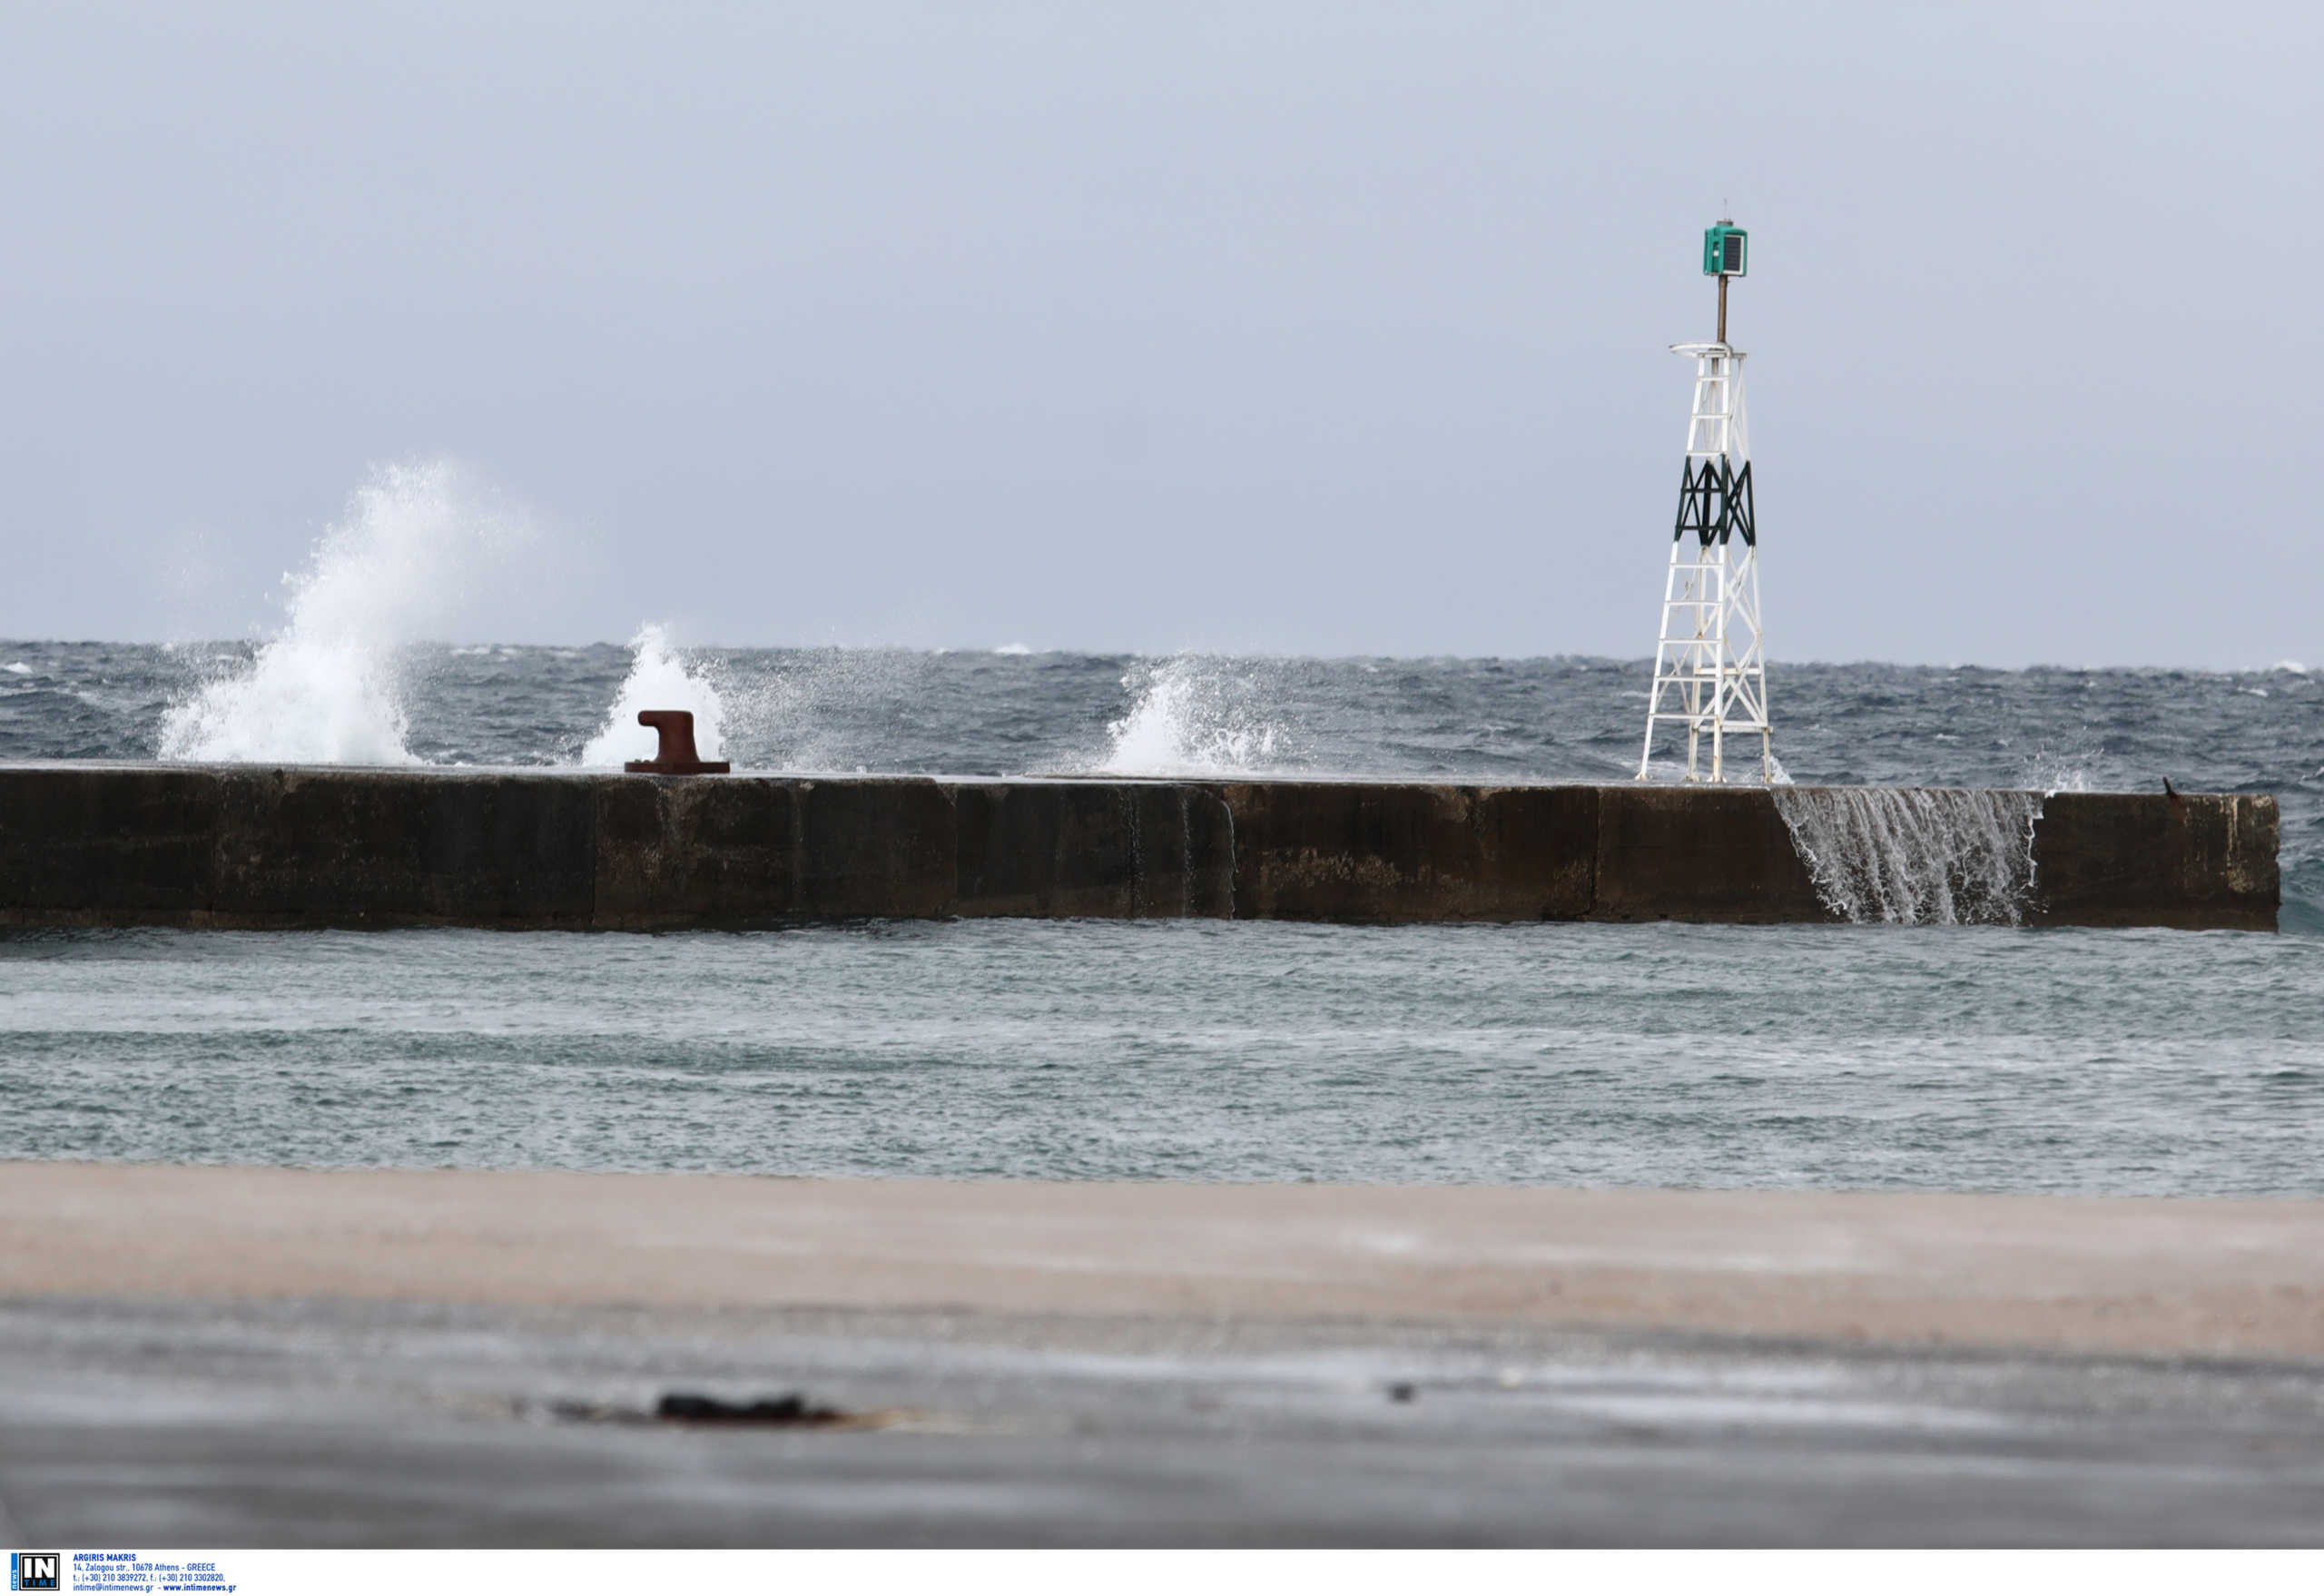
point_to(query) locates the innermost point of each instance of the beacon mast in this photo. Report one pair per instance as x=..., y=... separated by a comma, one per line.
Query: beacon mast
x=1709, y=668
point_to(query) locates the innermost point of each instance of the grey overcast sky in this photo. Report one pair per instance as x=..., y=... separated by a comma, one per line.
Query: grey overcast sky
x=1315, y=327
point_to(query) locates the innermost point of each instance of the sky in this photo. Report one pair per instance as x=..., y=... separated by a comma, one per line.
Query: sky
x=1287, y=328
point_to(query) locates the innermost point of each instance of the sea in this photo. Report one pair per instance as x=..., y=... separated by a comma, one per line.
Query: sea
x=1931, y=1044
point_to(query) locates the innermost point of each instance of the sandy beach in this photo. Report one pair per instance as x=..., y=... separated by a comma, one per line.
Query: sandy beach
x=265, y=1356
x=2213, y=1277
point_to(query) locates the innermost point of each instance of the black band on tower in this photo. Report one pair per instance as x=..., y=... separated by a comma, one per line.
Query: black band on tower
x=1715, y=503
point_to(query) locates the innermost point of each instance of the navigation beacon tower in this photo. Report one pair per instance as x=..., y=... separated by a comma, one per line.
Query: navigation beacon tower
x=1710, y=673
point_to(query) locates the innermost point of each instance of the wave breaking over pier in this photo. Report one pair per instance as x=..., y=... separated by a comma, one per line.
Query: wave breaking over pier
x=1918, y=855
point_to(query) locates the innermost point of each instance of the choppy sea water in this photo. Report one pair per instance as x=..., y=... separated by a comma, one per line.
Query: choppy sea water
x=1931, y=1057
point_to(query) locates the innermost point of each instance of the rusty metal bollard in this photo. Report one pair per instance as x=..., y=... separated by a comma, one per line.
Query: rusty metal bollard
x=677, y=756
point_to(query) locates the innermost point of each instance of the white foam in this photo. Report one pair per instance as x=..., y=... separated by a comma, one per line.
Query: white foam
x=659, y=678
x=407, y=553
x=17, y=668
x=1915, y=856
x=1013, y=649
x=1187, y=717
x=2052, y=772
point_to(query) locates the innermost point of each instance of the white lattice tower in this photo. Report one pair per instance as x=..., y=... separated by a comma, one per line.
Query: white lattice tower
x=1710, y=664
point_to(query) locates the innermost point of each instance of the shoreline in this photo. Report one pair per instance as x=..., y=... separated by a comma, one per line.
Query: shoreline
x=2195, y=1277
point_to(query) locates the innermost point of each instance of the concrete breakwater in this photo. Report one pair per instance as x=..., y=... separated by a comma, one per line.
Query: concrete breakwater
x=256, y=846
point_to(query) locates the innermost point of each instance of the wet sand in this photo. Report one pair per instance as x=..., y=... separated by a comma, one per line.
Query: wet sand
x=2187, y=1277
x=247, y=1357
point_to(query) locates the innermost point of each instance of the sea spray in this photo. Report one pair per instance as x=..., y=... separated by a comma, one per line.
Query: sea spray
x=1915, y=855
x=2053, y=772
x=803, y=709
x=328, y=688
x=1193, y=714
x=825, y=708
x=659, y=678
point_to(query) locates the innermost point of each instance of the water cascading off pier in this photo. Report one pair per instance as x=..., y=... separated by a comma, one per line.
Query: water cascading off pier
x=1917, y=856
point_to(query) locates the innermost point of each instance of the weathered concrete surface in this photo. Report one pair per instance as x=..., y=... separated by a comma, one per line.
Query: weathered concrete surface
x=154, y=844
x=1387, y=852
x=260, y=847
x=1107, y=849
x=1722, y=853
x=1373, y=851
x=302, y=848
x=96, y=844
x=757, y=852
x=2206, y=861
x=695, y=852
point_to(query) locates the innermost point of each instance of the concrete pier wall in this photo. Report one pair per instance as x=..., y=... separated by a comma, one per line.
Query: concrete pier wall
x=2205, y=860
x=94, y=844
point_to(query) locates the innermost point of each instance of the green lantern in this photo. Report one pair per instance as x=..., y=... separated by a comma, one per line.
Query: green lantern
x=1727, y=250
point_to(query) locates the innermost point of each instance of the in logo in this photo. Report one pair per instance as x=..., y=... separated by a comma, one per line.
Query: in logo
x=34, y=1570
